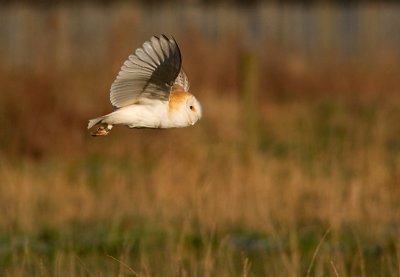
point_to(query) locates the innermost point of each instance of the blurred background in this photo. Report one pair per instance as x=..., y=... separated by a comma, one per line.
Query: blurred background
x=294, y=169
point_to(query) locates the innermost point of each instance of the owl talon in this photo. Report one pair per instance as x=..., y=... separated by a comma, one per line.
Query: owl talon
x=102, y=131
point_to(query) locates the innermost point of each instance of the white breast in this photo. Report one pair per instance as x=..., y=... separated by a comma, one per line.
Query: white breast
x=135, y=116
x=153, y=115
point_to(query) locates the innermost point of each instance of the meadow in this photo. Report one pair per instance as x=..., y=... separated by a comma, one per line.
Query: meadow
x=294, y=170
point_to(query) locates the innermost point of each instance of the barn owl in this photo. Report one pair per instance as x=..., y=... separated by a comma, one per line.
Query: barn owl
x=151, y=91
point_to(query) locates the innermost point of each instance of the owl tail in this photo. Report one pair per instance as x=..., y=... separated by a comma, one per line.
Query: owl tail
x=103, y=130
x=95, y=121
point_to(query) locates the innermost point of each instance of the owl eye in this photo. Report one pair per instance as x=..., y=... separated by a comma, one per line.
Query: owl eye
x=191, y=107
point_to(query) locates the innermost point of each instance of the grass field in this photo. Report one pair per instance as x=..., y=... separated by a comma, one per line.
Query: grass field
x=311, y=187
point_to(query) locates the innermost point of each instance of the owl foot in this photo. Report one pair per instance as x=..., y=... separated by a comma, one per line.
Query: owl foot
x=102, y=130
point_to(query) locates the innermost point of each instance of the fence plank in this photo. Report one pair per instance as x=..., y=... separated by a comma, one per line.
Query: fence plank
x=88, y=34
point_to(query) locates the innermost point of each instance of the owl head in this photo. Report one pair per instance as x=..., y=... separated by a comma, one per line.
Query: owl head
x=193, y=110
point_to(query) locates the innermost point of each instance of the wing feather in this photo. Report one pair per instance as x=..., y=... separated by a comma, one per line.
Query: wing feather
x=149, y=73
x=182, y=80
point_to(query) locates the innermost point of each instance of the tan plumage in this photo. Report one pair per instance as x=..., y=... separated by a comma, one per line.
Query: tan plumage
x=151, y=90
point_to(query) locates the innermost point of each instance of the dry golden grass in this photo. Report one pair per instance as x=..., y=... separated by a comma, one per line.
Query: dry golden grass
x=195, y=202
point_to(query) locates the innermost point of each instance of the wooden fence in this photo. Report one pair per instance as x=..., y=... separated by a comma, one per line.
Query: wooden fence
x=88, y=33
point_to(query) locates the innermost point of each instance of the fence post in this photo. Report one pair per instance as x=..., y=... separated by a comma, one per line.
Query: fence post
x=248, y=90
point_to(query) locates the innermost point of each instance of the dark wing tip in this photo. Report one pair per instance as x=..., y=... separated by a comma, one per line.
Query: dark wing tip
x=173, y=57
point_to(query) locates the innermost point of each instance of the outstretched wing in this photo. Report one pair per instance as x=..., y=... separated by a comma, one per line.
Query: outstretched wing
x=149, y=73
